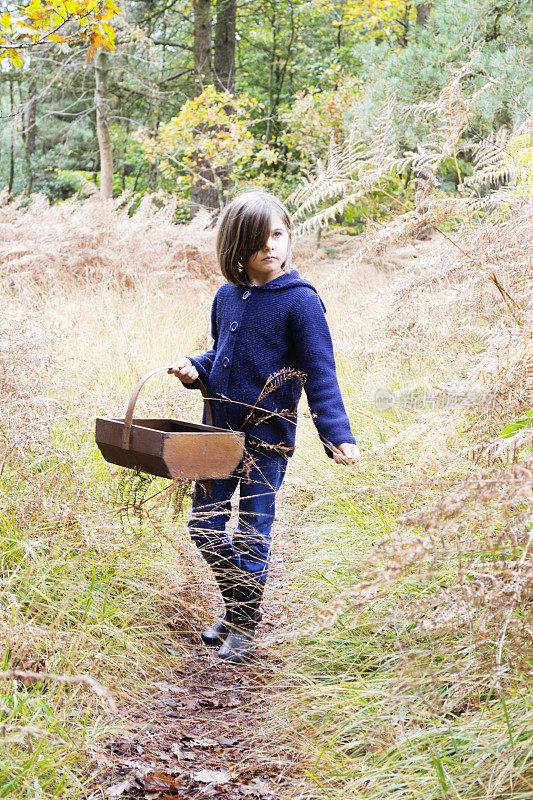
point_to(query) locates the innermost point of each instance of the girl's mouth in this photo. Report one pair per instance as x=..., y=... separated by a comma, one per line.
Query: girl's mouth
x=270, y=258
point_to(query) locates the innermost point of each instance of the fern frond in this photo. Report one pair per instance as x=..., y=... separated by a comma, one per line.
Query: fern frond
x=321, y=192
x=321, y=219
x=495, y=159
x=354, y=167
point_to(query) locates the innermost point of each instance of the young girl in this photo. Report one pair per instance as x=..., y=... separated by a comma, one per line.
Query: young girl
x=270, y=339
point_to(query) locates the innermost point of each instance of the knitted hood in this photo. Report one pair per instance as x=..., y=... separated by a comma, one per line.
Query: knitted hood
x=287, y=280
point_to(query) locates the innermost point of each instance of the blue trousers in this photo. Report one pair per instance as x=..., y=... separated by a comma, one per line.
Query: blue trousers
x=260, y=476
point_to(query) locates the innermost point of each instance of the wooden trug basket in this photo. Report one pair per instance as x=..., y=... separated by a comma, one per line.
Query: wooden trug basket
x=170, y=448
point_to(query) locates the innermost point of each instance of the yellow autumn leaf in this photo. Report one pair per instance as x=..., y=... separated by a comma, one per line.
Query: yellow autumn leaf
x=14, y=55
x=110, y=33
x=91, y=52
x=57, y=19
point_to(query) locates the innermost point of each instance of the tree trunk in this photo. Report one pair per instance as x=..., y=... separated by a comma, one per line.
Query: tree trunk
x=202, y=44
x=271, y=70
x=224, y=74
x=224, y=50
x=102, y=125
x=29, y=131
x=203, y=189
x=404, y=22
x=422, y=14
x=280, y=56
x=154, y=103
x=11, y=178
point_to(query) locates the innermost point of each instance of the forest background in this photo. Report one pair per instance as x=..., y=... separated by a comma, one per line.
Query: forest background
x=299, y=74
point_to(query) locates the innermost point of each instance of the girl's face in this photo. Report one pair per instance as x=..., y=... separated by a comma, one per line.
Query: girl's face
x=266, y=264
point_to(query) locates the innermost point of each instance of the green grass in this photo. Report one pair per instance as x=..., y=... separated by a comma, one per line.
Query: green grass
x=47, y=761
x=383, y=709
x=84, y=589
x=79, y=593
x=374, y=712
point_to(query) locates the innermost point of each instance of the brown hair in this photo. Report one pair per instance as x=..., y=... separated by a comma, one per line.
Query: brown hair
x=244, y=230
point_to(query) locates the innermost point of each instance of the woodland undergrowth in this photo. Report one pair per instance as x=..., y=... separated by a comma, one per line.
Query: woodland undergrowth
x=412, y=609
x=93, y=599
x=417, y=671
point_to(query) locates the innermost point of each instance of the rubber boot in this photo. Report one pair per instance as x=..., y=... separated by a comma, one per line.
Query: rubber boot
x=218, y=631
x=239, y=645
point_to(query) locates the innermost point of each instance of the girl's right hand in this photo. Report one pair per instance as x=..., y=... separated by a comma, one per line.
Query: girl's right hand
x=184, y=370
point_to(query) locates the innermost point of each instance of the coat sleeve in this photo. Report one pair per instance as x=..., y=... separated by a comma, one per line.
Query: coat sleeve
x=313, y=349
x=204, y=362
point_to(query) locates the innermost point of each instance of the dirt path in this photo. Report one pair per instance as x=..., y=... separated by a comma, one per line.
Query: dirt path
x=203, y=733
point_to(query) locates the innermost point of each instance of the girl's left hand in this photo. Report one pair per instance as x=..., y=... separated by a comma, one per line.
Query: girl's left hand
x=349, y=454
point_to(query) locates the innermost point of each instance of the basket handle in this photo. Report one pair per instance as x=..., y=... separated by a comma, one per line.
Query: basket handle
x=126, y=433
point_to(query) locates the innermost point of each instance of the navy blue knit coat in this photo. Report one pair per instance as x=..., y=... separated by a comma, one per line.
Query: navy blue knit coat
x=268, y=342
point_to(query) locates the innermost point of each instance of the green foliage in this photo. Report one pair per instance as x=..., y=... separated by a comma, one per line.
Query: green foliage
x=302, y=68
x=71, y=607
x=315, y=117
x=373, y=19
x=518, y=425
x=209, y=136
x=59, y=184
x=519, y=155
x=40, y=23
x=418, y=71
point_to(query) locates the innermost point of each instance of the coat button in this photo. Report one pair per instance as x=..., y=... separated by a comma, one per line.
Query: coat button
x=225, y=362
x=234, y=326
x=246, y=295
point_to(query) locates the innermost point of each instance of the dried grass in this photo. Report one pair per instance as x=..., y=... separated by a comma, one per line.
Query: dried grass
x=82, y=592
x=445, y=593
x=97, y=239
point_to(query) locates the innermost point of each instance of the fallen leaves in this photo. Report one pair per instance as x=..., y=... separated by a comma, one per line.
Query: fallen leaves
x=118, y=789
x=259, y=788
x=198, y=737
x=158, y=781
x=163, y=780
x=214, y=776
x=203, y=743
